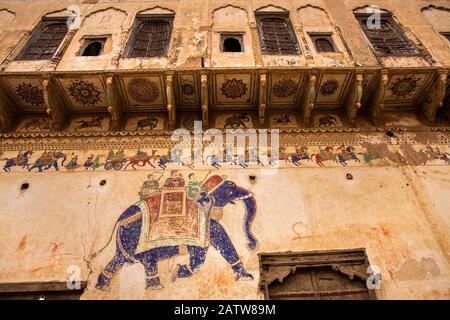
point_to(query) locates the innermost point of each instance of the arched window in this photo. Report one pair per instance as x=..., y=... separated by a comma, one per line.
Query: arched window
x=93, y=49
x=151, y=37
x=276, y=35
x=45, y=41
x=324, y=45
x=388, y=39
x=231, y=44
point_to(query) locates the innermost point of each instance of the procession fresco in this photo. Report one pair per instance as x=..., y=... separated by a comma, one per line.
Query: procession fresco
x=366, y=154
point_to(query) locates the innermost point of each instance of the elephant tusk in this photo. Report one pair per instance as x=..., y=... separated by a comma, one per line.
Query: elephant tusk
x=250, y=195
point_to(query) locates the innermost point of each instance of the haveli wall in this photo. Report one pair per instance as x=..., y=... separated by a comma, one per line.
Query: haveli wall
x=395, y=206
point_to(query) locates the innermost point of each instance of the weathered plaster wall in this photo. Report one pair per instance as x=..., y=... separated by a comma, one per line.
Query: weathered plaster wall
x=197, y=23
x=395, y=206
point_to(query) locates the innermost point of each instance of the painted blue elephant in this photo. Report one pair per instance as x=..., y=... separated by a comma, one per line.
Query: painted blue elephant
x=128, y=233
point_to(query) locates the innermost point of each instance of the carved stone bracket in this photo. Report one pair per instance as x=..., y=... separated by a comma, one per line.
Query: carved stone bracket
x=435, y=99
x=262, y=99
x=61, y=49
x=114, y=103
x=171, y=107
x=354, y=100
x=309, y=98
x=205, y=102
x=380, y=95
x=6, y=114
x=53, y=103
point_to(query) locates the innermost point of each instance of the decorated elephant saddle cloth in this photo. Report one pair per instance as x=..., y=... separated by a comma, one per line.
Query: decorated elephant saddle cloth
x=171, y=218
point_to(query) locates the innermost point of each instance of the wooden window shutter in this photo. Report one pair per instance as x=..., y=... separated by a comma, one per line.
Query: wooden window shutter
x=44, y=44
x=151, y=39
x=389, y=39
x=277, y=36
x=324, y=45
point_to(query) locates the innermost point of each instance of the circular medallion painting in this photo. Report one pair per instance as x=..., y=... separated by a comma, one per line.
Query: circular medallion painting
x=233, y=89
x=143, y=90
x=84, y=92
x=284, y=88
x=30, y=94
x=329, y=87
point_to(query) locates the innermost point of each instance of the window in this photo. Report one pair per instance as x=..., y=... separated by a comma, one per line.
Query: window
x=276, y=34
x=388, y=39
x=151, y=37
x=45, y=40
x=40, y=291
x=92, y=46
x=325, y=275
x=323, y=42
x=231, y=42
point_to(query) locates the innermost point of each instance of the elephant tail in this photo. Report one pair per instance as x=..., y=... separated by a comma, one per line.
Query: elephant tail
x=95, y=254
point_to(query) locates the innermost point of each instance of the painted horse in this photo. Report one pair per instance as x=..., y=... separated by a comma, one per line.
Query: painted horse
x=48, y=160
x=301, y=154
x=21, y=160
x=128, y=232
x=346, y=154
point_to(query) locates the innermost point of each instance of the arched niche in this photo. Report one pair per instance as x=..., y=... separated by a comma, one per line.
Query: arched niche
x=438, y=17
x=6, y=18
x=106, y=19
x=157, y=11
x=230, y=17
x=314, y=17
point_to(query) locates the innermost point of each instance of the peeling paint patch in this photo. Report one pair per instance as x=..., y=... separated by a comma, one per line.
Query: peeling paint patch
x=415, y=270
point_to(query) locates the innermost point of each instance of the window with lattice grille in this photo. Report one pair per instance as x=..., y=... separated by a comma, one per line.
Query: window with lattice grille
x=151, y=37
x=45, y=40
x=388, y=39
x=276, y=34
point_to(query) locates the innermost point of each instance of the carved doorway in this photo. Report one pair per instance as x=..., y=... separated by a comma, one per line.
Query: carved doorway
x=316, y=275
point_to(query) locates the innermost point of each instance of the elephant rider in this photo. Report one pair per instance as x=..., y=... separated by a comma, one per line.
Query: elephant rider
x=149, y=187
x=175, y=180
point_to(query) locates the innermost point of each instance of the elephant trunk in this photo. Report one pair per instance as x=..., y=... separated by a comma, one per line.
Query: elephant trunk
x=250, y=206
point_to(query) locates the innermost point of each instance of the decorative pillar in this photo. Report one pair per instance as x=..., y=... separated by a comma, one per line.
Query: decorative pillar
x=205, y=103
x=435, y=99
x=310, y=96
x=354, y=101
x=114, y=107
x=262, y=99
x=171, y=107
x=6, y=115
x=54, y=107
x=378, y=104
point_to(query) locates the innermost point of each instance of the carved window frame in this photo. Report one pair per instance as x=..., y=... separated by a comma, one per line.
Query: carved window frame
x=278, y=266
x=88, y=39
x=239, y=36
x=36, y=34
x=323, y=35
x=142, y=18
x=290, y=30
x=410, y=47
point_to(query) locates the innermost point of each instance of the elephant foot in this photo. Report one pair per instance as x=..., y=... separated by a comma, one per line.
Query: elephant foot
x=153, y=283
x=103, y=282
x=241, y=273
x=182, y=271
